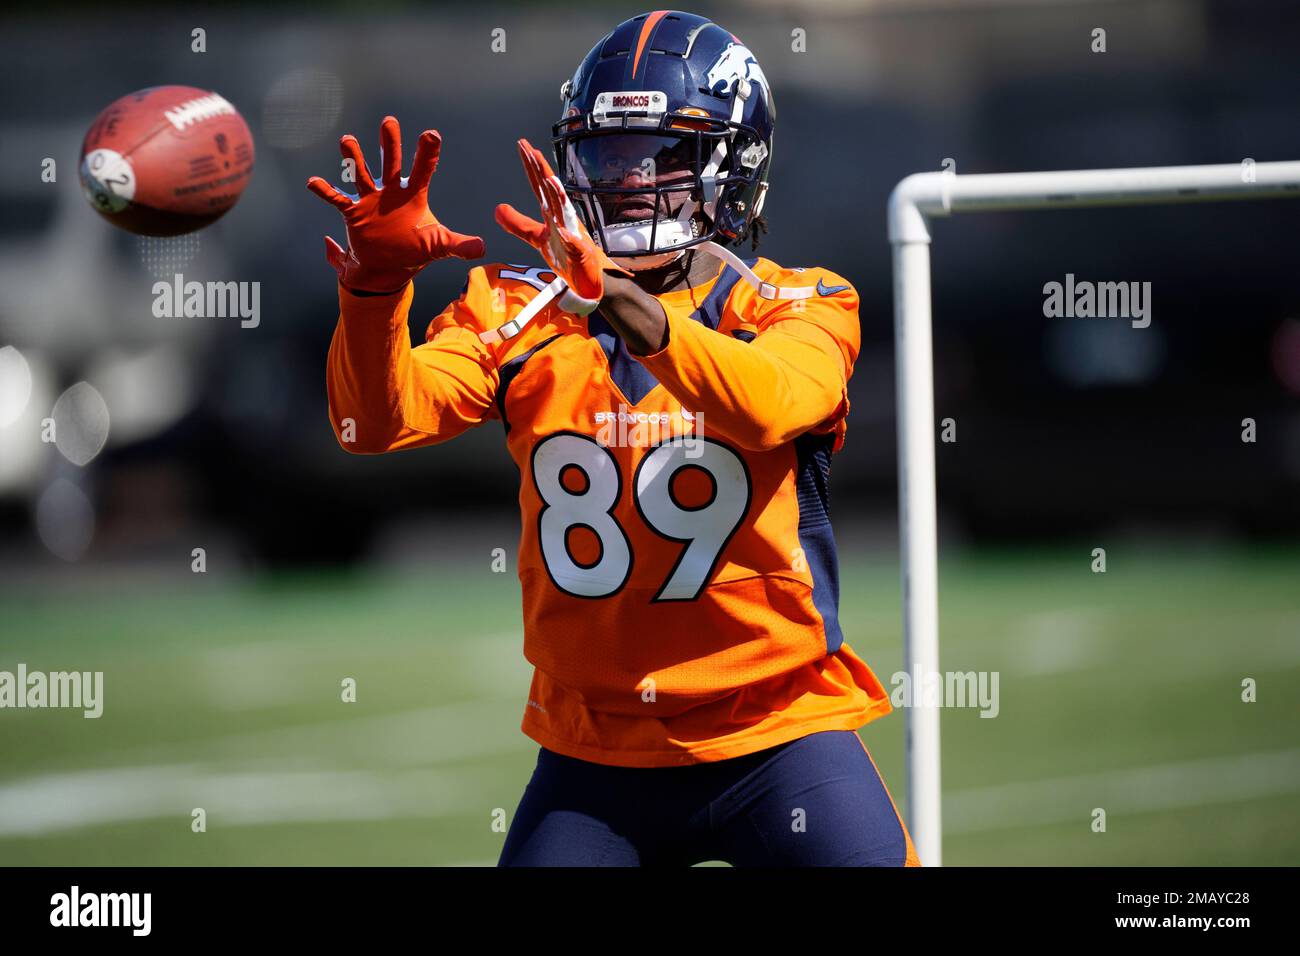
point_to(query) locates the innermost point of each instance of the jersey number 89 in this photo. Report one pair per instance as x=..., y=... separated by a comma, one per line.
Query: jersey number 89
x=703, y=528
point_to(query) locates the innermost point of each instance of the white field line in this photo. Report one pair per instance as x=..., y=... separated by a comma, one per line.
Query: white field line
x=465, y=730
x=284, y=775
x=1082, y=639
x=70, y=801
x=1122, y=793
x=1060, y=641
x=289, y=774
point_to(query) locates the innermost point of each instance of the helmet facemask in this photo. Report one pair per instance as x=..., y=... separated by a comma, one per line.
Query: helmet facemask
x=649, y=187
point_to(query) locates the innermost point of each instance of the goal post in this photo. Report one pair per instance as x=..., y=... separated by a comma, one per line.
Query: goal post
x=914, y=202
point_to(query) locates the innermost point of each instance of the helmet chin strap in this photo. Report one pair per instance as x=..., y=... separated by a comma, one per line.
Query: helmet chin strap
x=765, y=290
x=646, y=263
x=571, y=303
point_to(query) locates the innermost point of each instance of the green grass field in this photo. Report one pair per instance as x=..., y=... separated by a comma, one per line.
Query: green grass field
x=1119, y=690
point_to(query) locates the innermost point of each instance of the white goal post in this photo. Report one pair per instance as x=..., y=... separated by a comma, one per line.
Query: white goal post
x=914, y=201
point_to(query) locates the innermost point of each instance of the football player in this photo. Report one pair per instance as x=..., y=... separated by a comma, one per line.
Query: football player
x=673, y=409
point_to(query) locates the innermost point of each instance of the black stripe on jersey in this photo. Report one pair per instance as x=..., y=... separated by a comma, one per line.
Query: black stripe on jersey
x=812, y=489
x=633, y=379
x=508, y=373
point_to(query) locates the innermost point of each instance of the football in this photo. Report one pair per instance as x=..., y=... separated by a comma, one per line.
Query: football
x=166, y=160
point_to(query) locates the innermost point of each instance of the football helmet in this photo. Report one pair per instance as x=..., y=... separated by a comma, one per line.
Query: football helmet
x=665, y=137
x=664, y=144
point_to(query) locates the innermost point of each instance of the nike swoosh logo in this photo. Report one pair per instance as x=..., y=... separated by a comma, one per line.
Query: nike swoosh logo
x=824, y=289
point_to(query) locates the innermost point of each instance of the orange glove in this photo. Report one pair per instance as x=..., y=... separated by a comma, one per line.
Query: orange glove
x=561, y=237
x=391, y=233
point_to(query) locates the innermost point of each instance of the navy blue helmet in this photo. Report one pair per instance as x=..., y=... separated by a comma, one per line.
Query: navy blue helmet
x=665, y=140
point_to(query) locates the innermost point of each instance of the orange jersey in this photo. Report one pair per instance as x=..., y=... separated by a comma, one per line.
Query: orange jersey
x=679, y=576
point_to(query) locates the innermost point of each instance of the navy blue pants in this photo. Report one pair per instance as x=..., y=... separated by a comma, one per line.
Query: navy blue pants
x=815, y=801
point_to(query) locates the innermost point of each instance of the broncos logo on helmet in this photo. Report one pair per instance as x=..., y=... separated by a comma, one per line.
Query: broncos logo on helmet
x=734, y=63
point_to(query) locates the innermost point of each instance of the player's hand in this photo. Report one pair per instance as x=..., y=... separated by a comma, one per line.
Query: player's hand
x=560, y=237
x=392, y=235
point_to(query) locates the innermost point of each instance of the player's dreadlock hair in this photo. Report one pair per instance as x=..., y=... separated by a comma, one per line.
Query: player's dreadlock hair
x=756, y=231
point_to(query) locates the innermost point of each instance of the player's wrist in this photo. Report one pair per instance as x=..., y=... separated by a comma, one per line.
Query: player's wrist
x=367, y=282
x=364, y=282
x=366, y=293
x=639, y=320
x=619, y=289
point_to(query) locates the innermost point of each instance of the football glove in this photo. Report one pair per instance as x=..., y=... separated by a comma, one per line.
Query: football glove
x=392, y=235
x=560, y=237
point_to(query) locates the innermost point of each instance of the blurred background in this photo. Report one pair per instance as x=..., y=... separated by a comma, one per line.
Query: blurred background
x=1119, y=690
